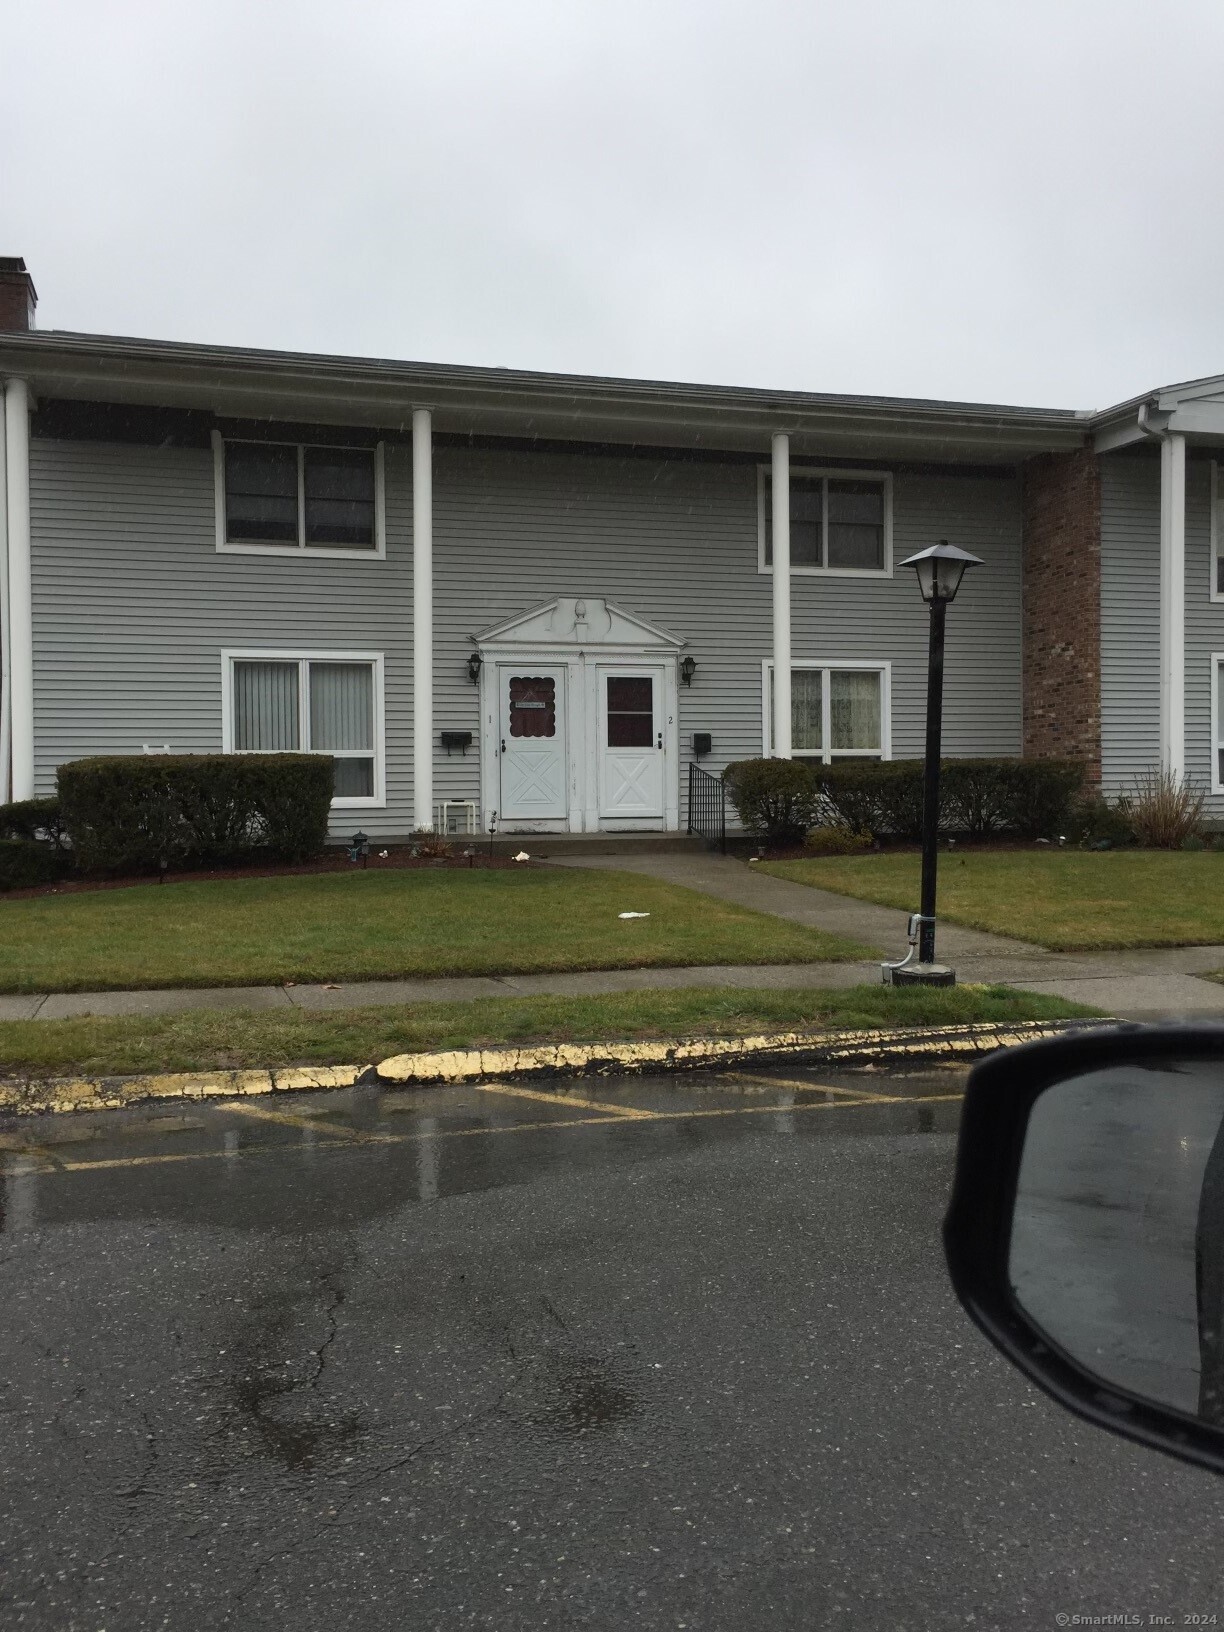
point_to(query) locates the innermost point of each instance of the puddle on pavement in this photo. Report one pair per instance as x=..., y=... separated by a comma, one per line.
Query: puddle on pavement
x=575, y=1395
x=299, y=1163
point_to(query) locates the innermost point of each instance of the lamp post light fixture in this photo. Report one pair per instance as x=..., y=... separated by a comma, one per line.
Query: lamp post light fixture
x=359, y=848
x=688, y=668
x=940, y=570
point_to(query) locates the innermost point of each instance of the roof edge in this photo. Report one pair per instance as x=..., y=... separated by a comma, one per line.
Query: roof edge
x=508, y=382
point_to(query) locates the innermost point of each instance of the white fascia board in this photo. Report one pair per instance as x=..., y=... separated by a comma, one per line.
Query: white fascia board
x=1198, y=419
x=328, y=390
x=1125, y=435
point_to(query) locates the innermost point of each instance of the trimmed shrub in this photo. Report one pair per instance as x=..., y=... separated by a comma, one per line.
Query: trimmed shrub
x=139, y=813
x=1042, y=795
x=1029, y=798
x=1165, y=811
x=33, y=819
x=777, y=799
x=24, y=864
x=837, y=841
x=880, y=797
x=1098, y=823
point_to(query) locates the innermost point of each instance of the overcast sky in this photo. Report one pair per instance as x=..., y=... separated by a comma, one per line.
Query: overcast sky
x=1017, y=202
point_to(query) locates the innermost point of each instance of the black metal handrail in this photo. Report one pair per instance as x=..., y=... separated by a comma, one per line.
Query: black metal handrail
x=707, y=807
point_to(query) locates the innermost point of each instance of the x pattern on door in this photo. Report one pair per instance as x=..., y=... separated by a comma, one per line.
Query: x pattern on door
x=632, y=783
x=536, y=778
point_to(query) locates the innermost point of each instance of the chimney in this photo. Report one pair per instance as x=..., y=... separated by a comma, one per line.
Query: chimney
x=17, y=295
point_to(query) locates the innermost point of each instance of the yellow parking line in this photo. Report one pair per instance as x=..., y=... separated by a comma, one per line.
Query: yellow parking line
x=791, y=1110
x=757, y=1081
x=618, y=1118
x=564, y=1099
x=314, y=1124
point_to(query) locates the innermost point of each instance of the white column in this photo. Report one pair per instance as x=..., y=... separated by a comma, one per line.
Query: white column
x=422, y=619
x=1173, y=605
x=780, y=502
x=6, y=701
x=20, y=589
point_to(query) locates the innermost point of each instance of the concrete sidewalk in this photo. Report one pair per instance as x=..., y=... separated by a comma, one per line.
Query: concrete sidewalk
x=360, y=994
x=1154, y=984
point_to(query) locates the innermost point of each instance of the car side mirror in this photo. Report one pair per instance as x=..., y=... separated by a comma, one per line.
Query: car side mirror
x=1085, y=1234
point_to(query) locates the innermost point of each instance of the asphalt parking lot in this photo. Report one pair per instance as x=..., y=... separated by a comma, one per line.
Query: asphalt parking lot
x=671, y=1352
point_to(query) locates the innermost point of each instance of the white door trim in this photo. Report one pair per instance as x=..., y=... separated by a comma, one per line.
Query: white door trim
x=582, y=729
x=655, y=671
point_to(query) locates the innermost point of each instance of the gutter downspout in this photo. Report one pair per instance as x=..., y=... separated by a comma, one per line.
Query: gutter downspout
x=1172, y=593
x=422, y=620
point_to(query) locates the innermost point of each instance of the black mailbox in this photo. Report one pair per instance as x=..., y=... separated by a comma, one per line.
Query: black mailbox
x=456, y=739
x=703, y=742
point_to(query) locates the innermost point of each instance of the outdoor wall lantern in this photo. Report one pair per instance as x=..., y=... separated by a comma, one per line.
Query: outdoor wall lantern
x=688, y=668
x=359, y=848
x=475, y=663
x=940, y=570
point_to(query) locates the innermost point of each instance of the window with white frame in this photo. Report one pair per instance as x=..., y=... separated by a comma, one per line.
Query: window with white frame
x=838, y=711
x=1217, y=531
x=840, y=521
x=324, y=703
x=295, y=498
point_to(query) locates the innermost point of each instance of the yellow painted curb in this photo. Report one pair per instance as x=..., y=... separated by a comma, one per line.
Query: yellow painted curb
x=466, y=1065
x=873, y=1046
x=113, y=1093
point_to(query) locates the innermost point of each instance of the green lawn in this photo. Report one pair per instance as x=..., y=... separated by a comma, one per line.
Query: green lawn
x=227, y=1040
x=381, y=925
x=1071, y=900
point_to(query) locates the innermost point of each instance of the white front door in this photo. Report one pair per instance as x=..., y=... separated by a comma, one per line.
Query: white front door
x=631, y=749
x=532, y=743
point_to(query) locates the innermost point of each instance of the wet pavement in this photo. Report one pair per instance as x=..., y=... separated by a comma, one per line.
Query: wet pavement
x=671, y=1352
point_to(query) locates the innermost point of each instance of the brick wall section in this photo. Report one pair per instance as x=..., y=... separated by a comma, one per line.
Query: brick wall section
x=1062, y=608
x=17, y=296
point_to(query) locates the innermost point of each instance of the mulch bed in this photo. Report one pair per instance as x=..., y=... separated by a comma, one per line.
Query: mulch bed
x=398, y=858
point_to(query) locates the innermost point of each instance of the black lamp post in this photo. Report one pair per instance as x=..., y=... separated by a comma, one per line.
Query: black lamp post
x=940, y=570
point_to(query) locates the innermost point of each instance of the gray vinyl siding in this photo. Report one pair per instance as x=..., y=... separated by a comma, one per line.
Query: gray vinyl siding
x=1130, y=618
x=1204, y=629
x=1130, y=622
x=133, y=604
x=676, y=543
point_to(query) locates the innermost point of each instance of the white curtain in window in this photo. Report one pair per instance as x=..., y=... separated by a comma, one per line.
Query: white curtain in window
x=806, y=698
x=341, y=706
x=266, y=706
x=854, y=707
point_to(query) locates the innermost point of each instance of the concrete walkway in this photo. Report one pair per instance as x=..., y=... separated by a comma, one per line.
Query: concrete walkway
x=359, y=994
x=1145, y=985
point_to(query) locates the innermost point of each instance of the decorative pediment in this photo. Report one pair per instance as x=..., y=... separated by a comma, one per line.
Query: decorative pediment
x=581, y=620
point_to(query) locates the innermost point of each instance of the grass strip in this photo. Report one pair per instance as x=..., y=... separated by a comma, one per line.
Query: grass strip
x=205, y=1039
x=383, y=926
x=1068, y=900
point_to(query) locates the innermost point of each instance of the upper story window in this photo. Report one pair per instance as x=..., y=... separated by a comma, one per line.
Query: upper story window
x=284, y=498
x=840, y=522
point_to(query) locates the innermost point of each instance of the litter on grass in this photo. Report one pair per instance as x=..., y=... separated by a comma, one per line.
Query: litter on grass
x=633, y=915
